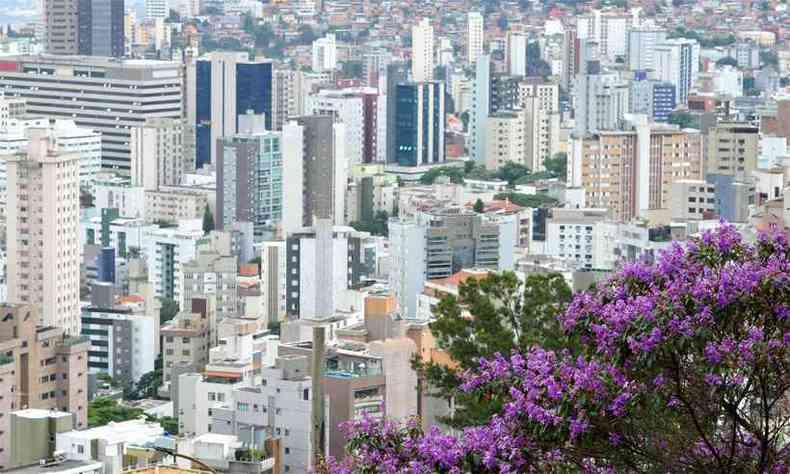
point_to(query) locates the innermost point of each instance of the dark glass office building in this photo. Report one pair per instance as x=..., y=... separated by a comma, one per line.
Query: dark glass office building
x=419, y=123
x=215, y=117
x=100, y=28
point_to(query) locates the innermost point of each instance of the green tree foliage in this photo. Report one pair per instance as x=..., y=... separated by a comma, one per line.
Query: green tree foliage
x=557, y=165
x=170, y=424
x=378, y=226
x=769, y=58
x=168, y=310
x=465, y=119
x=103, y=410
x=352, y=69
x=508, y=315
x=512, y=172
x=727, y=61
x=480, y=207
x=528, y=200
x=147, y=386
x=704, y=41
x=455, y=174
x=684, y=120
x=208, y=220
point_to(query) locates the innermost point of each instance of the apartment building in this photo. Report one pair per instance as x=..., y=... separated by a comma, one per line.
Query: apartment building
x=162, y=150
x=287, y=97
x=506, y=140
x=692, y=199
x=188, y=337
x=632, y=171
x=732, y=149
x=50, y=368
x=582, y=237
x=173, y=204
x=212, y=274
x=166, y=250
x=108, y=95
x=43, y=230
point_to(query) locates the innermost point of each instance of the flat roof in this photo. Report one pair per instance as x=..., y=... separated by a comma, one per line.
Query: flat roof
x=65, y=466
x=39, y=413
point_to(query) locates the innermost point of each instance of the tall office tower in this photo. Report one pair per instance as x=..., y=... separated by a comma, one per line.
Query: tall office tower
x=325, y=53
x=396, y=73
x=631, y=171
x=287, y=96
x=570, y=57
x=641, y=47
x=61, y=23
x=474, y=39
x=419, y=123
x=655, y=99
x=163, y=149
x=505, y=140
x=357, y=110
x=250, y=176
x=516, y=53
x=273, y=279
x=101, y=28
x=541, y=105
x=422, y=51
x=156, y=9
x=677, y=62
x=315, y=172
x=322, y=262
x=481, y=107
x=226, y=85
x=113, y=97
x=601, y=103
x=44, y=231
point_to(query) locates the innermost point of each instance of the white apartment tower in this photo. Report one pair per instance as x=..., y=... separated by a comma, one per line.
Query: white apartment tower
x=516, y=53
x=156, y=9
x=422, y=51
x=325, y=53
x=641, y=47
x=475, y=36
x=43, y=226
x=162, y=150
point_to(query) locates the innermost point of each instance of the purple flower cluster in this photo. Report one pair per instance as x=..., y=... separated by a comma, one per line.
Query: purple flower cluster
x=682, y=366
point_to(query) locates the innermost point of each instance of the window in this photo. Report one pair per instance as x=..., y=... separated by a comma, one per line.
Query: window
x=287, y=450
x=306, y=394
x=243, y=406
x=80, y=449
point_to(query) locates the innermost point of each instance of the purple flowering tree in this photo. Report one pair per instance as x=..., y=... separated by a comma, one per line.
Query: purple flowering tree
x=681, y=366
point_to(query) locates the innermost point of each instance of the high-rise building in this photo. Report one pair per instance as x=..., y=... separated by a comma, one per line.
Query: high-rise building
x=439, y=244
x=226, y=85
x=101, y=28
x=325, y=53
x=322, y=262
x=315, y=172
x=655, y=99
x=641, y=47
x=617, y=169
x=516, y=53
x=104, y=94
x=570, y=57
x=250, y=177
x=474, y=39
x=163, y=149
x=11, y=108
x=422, y=51
x=157, y=9
x=61, y=24
x=540, y=101
x=50, y=368
x=505, y=140
x=396, y=74
x=677, y=62
x=68, y=137
x=481, y=107
x=273, y=280
x=166, y=250
x=601, y=102
x=213, y=275
x=44, y=231
x=357, y=110
x=607, y=30
x=287, y=96
x=419, y=123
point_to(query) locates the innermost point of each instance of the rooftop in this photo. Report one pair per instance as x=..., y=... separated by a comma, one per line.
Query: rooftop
x=36, y=413
x=68, y=466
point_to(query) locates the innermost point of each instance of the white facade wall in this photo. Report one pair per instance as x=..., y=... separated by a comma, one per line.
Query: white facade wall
x=348, y=109
x=129, y=200
x=474, y=36
x=408, y=260
x=422, y=45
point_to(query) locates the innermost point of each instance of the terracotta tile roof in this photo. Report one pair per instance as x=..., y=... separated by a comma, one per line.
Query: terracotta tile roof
x=248, y=269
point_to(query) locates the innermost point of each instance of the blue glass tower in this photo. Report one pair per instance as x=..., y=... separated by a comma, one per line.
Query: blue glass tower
x=419, y=123
x=228, y=85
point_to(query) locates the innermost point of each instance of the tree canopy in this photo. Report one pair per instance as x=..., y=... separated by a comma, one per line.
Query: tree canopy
x=678, y=366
